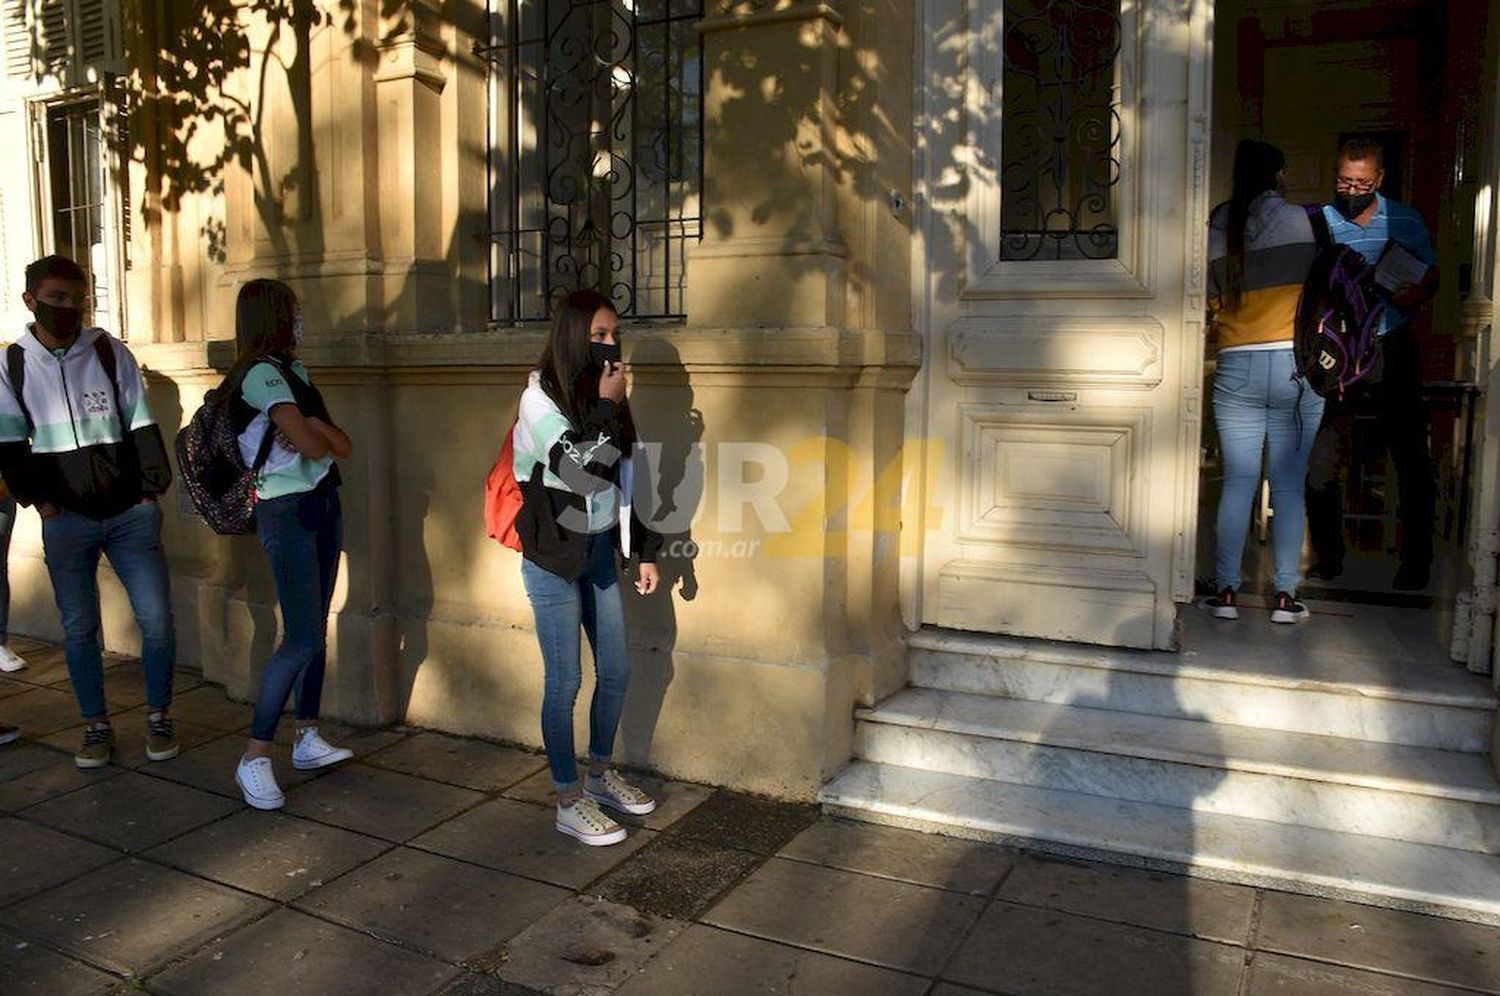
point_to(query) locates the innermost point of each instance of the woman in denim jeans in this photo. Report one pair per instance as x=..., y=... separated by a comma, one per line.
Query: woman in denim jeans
x=1261, y=249
x=9, y=660
x=573, y=440
x=298, y=520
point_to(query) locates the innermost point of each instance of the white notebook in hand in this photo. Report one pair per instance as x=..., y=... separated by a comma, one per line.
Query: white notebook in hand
x=1398, y=267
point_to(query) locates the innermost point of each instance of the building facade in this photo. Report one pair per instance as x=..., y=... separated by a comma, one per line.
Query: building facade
x=912, y=298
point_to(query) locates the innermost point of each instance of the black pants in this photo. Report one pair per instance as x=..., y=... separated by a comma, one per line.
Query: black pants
x=1401, y=419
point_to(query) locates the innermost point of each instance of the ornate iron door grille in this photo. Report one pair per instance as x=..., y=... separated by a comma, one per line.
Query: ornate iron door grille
x=597, y=162
x=1060, y=130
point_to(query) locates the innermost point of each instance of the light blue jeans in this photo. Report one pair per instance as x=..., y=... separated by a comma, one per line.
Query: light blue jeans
x=1259, y=408
x=561, y=608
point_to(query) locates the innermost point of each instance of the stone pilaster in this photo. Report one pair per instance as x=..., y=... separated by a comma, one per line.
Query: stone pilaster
x=771, y=253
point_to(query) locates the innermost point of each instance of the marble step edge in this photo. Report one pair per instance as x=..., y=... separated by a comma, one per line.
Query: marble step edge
x=1418, y=878
x=1047, y=724
x=1167, y=665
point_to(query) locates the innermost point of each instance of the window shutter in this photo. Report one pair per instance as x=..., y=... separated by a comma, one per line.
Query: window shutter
x=55, y=46
x=98, y=39
x=17, y=39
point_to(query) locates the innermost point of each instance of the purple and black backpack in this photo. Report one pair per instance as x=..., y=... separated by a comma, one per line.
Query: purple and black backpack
x=1336, y=340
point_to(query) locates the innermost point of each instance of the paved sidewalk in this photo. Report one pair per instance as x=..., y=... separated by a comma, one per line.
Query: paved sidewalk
x=429, y=865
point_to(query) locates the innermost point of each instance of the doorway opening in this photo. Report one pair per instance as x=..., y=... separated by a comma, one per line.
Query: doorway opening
x=1306, y=76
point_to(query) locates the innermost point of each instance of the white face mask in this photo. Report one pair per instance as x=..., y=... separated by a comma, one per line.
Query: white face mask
x=298, y=329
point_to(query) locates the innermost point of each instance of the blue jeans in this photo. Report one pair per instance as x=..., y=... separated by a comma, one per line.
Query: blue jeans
x=561, y=608
x=303, y=535
x=132, y=542
x=1258, y=406
x=7, y=523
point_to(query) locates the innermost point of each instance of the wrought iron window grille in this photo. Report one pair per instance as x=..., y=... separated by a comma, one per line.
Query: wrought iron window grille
x=595, y=153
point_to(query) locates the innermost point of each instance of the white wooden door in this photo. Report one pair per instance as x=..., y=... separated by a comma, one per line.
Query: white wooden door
x=1063, y=191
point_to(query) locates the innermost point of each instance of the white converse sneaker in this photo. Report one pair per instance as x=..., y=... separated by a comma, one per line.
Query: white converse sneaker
x=582, y=820
x=615, y=792
x=258, y=782
x=9, y=660
x=312, y=751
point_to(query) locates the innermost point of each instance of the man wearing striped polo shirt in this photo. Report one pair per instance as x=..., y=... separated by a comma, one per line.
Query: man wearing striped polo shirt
x=1361, y=217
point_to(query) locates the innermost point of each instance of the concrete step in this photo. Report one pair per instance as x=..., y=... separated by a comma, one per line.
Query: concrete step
x=1327, y=693
x=1416, y=794
x=1418, y=877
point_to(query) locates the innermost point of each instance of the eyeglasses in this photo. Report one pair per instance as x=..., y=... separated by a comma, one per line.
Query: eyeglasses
x=62, y=300
x=1344, y=185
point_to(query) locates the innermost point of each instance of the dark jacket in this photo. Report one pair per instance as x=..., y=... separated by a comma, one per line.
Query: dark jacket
x=584, y=461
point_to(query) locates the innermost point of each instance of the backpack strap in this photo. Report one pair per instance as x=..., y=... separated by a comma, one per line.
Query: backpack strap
x=264, y=453
x=106, y=354
x=15, y=363
x=1322, y=234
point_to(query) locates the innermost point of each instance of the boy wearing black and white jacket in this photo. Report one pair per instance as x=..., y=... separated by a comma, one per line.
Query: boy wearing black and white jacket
x=78, y=443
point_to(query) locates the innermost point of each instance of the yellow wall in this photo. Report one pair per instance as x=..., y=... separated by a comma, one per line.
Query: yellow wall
x=363, y=186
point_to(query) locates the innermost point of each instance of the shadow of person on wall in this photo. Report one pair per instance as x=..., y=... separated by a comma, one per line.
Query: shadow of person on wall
x=668, y=491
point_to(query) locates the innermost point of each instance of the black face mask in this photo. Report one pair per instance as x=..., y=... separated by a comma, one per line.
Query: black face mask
x=601, y=353
x=63, y=324
x=1351, y=206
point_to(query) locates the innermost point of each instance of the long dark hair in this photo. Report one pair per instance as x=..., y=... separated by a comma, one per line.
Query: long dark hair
x=265, y=316
x=569, y=376
x=1256, y=165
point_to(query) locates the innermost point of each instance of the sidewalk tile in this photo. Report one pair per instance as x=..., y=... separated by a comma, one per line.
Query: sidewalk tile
x=125, y=685
x=36, y=858
x=208, y=705
x=22, y=758
x=454, y=910
x=45, y=666
x=746, y=822
x=270, y=854
x=707, y=960
x=474, y=764
x=674, y=800
x=42, y=711
x=586, y=945
x=949, y=989
x=904, y=855
x=677, y=877
x=1018, y=950
x=211, y=767
x=292, y=953
x=905, y=927
x=1211, y=910
x=1275, y=975
x=380, y=803
x=12, y=686
x=58, y=778
x=522, y=839
x=32, y=970
x=132, y=812
x=130, y=738
x=131, y=916
x=1422, y=947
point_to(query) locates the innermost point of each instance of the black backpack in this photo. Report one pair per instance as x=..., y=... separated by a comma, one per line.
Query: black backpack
x=1336, y=340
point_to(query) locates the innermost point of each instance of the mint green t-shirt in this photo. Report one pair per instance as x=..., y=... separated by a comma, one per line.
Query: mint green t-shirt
x=286, y=472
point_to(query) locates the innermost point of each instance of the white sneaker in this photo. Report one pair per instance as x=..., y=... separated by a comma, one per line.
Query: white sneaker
x=312, y=751
x=258, y=782
x=584, y=821
x=615, y=792
x=9, y=660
